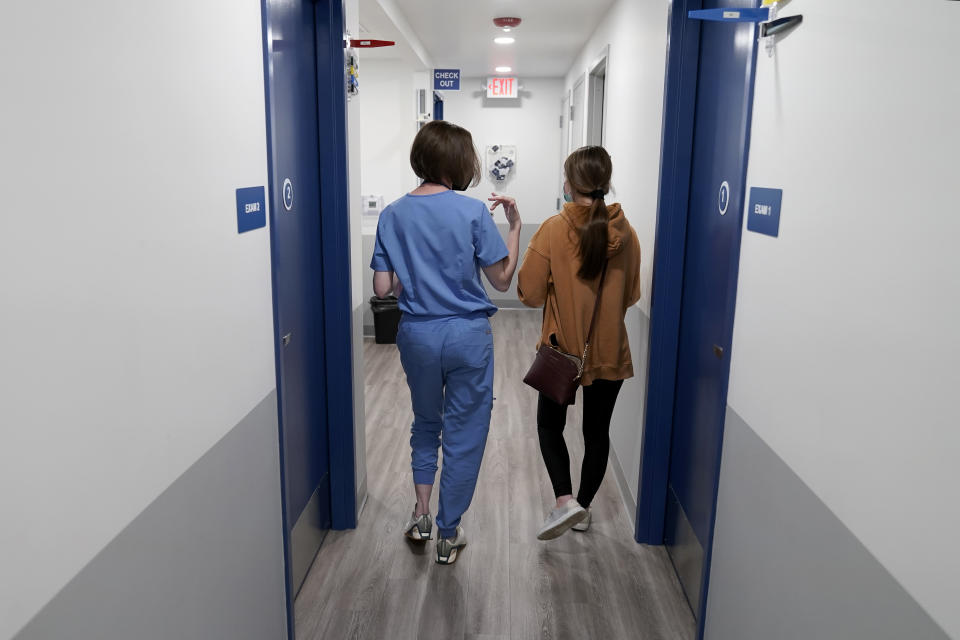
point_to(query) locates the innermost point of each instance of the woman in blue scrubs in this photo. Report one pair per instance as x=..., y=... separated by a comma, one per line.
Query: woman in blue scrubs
x=431, y=246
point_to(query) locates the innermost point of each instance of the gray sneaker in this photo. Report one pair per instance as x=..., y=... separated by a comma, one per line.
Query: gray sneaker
x=561, y=519
x=449, y=548
x=418, y=529
x=584, y=524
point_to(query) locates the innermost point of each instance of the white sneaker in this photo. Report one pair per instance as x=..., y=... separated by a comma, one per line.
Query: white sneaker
x=561, y=519
x=584, y=524
x=418, y=529
x=449, y=548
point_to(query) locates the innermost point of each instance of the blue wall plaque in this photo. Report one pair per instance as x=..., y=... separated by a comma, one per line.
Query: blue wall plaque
x=763, y=215
x=446, y=79
x=251, y=209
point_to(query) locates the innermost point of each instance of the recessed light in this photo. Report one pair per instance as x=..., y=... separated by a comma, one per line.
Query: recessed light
x=506, y=29
x=503, y=69
x=504, y=40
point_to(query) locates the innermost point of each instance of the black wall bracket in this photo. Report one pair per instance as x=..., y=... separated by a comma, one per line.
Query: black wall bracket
x=780, y=25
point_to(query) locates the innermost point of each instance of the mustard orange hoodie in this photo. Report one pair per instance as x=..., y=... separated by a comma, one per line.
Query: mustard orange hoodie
x=548, y=278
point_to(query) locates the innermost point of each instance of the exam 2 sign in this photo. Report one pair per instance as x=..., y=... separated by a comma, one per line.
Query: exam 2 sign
x=502, y=88
x=251, y=209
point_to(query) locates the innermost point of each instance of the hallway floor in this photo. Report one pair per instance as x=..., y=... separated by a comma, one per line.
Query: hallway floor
x=371, y=583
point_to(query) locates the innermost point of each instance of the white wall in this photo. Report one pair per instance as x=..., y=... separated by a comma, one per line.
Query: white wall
x=388, y=125
x=845, y=347
x=386, y=110
x=532, y=124
x=386, y=107
x=636, y=33
x=136, y=322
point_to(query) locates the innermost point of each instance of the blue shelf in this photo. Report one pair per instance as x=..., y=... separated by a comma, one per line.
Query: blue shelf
x=731, y=15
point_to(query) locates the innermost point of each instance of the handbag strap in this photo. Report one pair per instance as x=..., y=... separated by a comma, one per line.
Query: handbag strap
x=596, y=311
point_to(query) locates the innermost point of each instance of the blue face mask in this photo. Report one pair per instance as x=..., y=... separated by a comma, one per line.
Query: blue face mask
x=567, y=197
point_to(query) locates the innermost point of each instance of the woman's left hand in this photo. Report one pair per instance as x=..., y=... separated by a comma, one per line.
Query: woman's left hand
x=509, y=208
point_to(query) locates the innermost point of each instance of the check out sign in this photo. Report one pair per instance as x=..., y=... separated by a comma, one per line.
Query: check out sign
x=446, y=79
x=502, y=88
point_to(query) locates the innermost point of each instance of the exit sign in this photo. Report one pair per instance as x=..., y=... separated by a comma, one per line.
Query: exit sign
x=502, y=88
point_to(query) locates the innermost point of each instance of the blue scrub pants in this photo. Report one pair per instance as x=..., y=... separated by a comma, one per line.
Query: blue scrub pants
x=449, y=367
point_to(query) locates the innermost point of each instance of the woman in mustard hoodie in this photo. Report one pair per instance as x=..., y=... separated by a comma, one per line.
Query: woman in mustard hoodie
x=561, y=272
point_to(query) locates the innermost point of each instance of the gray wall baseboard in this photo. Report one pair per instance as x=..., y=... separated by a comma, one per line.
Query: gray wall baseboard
x=515, y=305
x=785, y=567
x=626, y=494
x=626, y=427
x=203, y=560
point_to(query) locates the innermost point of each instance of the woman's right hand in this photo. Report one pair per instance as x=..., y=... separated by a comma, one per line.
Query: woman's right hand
x=509, y=208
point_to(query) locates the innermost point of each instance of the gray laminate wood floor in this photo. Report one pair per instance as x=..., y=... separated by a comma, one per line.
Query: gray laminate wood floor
x=371, y=583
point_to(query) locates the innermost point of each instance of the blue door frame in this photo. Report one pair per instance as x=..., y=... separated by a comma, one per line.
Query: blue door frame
x=337, y=304
x=676, y=160
x=335, y=227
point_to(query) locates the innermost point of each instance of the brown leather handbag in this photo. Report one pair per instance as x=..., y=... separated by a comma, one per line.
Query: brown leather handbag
x=556, y=373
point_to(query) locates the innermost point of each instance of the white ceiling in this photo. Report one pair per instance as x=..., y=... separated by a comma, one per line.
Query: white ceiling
x=375, y=23
x=459, y=33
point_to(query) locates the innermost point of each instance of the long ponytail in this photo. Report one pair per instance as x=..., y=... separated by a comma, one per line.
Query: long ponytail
x=588, y=171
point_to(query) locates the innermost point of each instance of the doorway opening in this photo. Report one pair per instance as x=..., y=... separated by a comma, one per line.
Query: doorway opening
x=596, y=102
x=565, y=117
x=577, y=108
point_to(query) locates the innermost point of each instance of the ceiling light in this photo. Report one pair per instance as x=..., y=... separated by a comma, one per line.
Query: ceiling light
x=506, y=29
x=503, y=40
x=503, y=69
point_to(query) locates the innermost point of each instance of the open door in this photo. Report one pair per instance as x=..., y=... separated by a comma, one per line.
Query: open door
x=309, y=241
x=721, y=127
x=297, y=254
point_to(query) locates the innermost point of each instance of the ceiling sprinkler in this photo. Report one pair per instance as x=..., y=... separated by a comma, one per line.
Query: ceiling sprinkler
x=506, y=23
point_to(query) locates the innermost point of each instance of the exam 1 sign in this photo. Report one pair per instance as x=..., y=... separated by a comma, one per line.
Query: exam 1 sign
x=763, y=214
x=502, y=88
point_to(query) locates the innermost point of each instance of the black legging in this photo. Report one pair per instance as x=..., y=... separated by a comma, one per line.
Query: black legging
x=599, y=399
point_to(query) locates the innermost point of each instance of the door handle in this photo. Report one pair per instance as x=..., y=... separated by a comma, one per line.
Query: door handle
x=286, y=339
x=718, y=351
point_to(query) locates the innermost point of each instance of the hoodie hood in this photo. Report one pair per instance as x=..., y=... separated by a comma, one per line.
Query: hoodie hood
x=618, y=229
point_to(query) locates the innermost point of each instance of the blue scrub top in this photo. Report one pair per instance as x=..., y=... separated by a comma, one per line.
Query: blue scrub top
x=436, y=244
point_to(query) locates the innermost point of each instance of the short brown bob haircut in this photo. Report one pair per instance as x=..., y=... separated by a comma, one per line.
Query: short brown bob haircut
x=443, y=153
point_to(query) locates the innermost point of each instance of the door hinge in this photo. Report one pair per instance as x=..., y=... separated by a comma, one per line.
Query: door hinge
x=571, y=112
x=561, y=121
